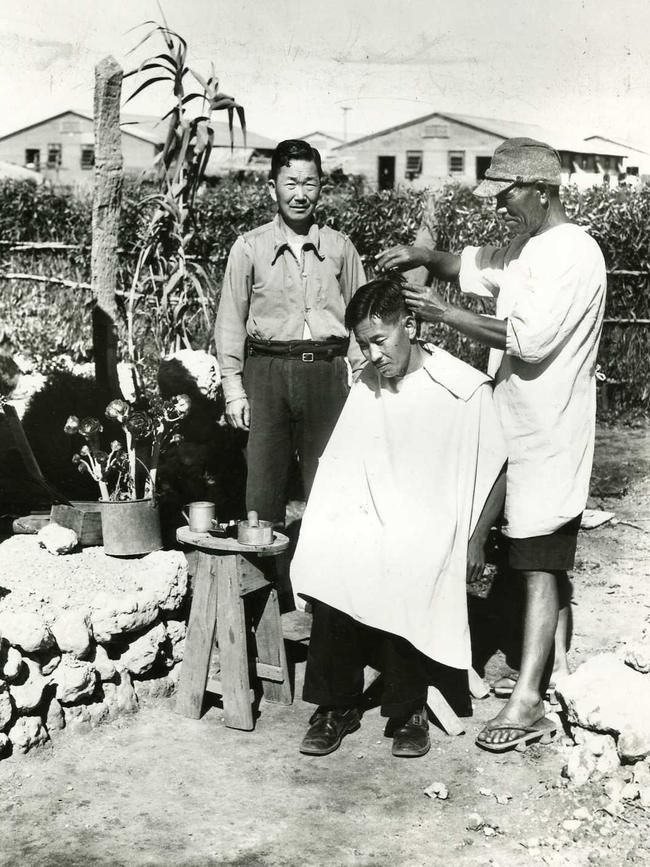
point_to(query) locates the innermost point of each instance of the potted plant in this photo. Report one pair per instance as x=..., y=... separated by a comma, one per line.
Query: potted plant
x=126, y=475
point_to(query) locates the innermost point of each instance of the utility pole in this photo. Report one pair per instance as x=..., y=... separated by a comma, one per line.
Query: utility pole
x=345, y=109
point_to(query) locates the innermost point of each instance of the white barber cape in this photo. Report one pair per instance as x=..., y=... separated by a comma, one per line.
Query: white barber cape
x=397, y=494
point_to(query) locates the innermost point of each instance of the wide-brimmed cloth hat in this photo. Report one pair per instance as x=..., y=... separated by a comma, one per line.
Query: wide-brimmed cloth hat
x=520, y=161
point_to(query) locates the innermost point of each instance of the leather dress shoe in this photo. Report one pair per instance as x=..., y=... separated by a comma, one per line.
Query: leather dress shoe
x=411, y=738
x=327, y=728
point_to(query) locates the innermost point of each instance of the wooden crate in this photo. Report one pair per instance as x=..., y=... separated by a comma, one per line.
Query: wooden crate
x=84, y=518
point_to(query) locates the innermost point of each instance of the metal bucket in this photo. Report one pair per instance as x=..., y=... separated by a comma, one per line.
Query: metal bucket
x=130, y=527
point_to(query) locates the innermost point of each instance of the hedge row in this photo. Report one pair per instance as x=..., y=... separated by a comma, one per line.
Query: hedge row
x=617, y=219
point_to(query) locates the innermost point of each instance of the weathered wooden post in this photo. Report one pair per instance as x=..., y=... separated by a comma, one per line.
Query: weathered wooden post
x=427, y=236
x=107, y=203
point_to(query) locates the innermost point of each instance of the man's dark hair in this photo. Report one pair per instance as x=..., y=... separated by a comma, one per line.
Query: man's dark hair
x=381, y=298
x=293, y=149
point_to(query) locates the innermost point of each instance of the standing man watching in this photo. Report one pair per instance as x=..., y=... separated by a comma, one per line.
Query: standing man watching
x=549, y=284
x=280, y=332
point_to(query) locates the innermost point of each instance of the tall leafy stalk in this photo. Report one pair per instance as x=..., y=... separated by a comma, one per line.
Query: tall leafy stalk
x=166, y=283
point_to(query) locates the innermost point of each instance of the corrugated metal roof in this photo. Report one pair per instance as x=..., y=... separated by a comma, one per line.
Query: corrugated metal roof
x=617, y=148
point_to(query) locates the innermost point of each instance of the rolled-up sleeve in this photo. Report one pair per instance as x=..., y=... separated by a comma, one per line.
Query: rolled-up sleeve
x=545, y=313
x=230, y=327
x=481, y=269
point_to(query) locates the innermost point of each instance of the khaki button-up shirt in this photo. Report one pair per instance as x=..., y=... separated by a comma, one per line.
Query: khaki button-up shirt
x=268, y=294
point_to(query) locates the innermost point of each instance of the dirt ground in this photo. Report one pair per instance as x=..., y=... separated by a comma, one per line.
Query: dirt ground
x=158, y=789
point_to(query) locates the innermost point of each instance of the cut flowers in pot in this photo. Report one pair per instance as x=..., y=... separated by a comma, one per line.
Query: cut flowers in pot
x=128, y=470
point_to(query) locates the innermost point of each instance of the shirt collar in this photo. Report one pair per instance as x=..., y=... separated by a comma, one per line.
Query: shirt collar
x=280, y=243
x=455, y=375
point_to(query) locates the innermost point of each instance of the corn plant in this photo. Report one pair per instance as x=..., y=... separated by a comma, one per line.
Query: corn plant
x=169, y=287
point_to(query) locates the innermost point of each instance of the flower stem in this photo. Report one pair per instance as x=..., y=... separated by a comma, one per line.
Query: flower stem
x=130, y=447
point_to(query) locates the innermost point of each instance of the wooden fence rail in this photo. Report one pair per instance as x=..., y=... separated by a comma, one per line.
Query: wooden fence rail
x=72, y=284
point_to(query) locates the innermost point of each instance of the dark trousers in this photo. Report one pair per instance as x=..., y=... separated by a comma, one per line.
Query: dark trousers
x=294, y=407
x=340, y=648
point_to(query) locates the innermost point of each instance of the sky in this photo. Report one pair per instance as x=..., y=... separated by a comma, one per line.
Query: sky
x=579, y=66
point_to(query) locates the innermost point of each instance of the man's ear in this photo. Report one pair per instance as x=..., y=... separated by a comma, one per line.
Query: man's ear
x=411, y=326
x=271, y=186
x=544, y=195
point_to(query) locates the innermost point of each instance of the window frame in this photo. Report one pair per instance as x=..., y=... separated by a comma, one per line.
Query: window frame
x=35, y=162
x=54, y=147
x=414, y=171
x=451, y=155
x=87, y=148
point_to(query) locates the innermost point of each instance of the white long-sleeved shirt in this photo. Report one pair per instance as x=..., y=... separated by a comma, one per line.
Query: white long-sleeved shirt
x=551, y=289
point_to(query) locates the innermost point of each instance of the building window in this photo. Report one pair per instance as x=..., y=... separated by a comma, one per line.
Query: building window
x=435, y=130
x=456, y=162
x=587, y=162
x=33, y=159
x=54, y=156
x=413, y=164
x=87, y=156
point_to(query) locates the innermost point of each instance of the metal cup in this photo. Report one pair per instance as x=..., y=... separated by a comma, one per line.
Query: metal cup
x=201, y=515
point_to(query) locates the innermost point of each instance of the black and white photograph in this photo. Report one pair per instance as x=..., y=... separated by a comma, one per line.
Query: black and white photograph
x=324, y=433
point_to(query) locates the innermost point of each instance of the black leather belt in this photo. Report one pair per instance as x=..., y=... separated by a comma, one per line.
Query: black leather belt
x=301, y=350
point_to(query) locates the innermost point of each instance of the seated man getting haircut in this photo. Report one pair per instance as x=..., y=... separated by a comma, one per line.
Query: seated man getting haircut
x=404, y=497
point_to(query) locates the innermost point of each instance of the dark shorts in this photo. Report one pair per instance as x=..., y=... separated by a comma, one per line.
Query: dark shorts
x=553, y=553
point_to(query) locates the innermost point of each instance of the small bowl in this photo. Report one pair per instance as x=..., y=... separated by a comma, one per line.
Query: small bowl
x=262, y=534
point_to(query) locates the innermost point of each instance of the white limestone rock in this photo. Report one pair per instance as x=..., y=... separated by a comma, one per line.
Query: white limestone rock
x=641, y=774
x=55, y=717
x=606, y=695
x=142, y=654
x=6, y=707
x=25, y=629
x=581, y=764
x=74, y=679
x=176, y=630
x=27, y=732
x=602, y=747
x=121, y=697
x=77, y=718
x=71, y=629
x=203, y=367
x=98, y=713
x=174, y=674
x=11, y=662
x=28, y=695
x=104, y=664
x=161, y=586
x=637, y=656
x=114, y=615
x=56, y=539
x=159, y=687
x=50, y=664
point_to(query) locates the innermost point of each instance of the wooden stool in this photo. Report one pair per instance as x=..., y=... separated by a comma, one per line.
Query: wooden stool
x=226, y=573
